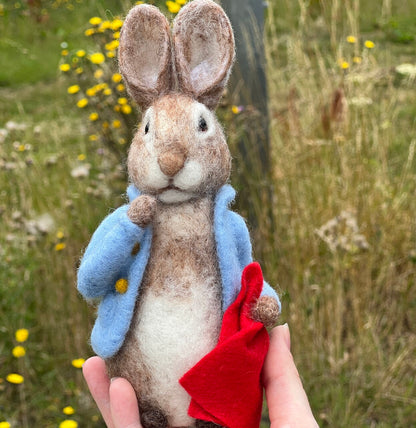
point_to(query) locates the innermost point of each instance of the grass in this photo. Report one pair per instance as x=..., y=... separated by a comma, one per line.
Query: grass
x=342, y=141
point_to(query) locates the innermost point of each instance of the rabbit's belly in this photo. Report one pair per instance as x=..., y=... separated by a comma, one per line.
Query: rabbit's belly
x=174, y=333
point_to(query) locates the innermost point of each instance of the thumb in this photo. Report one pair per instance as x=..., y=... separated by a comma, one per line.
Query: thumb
x=286, y=398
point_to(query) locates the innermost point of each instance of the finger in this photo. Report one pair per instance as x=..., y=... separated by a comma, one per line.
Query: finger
x=124, y=407
x=286, y=398
x=95, y=374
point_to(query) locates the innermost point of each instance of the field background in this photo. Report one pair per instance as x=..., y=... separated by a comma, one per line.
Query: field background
x=335, y=214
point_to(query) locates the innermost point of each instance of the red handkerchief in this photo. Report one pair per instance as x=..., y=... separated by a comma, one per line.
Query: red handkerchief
x=225, y=386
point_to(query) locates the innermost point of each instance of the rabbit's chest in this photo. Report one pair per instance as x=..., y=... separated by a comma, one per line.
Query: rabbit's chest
x=179, y=314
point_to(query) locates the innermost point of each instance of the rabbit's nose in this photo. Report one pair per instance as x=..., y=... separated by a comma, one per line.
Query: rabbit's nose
x=172, y=161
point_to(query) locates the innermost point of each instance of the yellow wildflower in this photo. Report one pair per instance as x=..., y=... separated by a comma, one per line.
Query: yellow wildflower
x=73, y=89
x=83, y=102
x=21, y=335
x=107, y=91
x=235, y=109
x=126, y=109
x=111, y=54
x=369, y=44
x=357, y=60
x=68, y=410
x=89, y=32
x=120, y=87
x=60, y=246
x=104, y=26
x=173, y=7
x=122, y=101
x=351, y=39
x=116, y=77
x=79, y=70
x=19, y=351
x=93, y=137
x=93, y=117
x=65, y=67
x=97, y=58
x=113, y=45
x=95, y=20
x=21, y=148
x=116, y=35
x=98, y=73
x=91, y=92
x=344, y=65
x=116, y=124
x=116, y=24
x=139, y=2
x=181, y=2
x=81, y=157
x=81, y=53
x=15, y=378
x=65, y=52
x=5, y=424
x=78, y=362
x=122, y=285
x=68, y=423
x=60, y=234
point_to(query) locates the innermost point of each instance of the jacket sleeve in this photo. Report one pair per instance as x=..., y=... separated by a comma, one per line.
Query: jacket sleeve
x=107, y=254
x=244, y=250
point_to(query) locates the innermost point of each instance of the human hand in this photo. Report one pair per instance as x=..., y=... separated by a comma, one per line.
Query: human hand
x=115, y=399
x=286, y=398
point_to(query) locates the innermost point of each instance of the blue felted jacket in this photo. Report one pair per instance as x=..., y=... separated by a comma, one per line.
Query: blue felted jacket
x=110, y=257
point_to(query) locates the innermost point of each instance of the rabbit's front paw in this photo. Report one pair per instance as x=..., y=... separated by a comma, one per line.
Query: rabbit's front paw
x=142, y=210
x=266, y=310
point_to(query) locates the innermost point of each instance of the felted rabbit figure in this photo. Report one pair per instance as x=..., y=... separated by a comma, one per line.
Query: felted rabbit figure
x=167, y=265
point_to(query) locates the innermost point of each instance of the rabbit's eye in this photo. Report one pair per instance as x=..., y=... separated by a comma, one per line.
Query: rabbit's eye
x=202, y=125
x=146, y=128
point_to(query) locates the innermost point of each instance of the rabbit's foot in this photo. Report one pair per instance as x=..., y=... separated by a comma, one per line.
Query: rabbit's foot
x=266, y=310
x=152, y=416
x=142, y=210
x=205, y=424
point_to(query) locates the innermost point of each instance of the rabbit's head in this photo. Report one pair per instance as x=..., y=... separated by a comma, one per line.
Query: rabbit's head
x=179, y=151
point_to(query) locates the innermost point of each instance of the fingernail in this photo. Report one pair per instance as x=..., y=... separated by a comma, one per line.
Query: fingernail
x=286, y=335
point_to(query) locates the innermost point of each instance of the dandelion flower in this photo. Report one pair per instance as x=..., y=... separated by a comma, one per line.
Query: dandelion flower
x=173, y=7
x=97, y=58
x=116, y=24
x=105, y=25
x=68, y=423
x=116, y=77
x=60, y=234
x=351, y=39
x=89, y=32
x=15, y=378
x=91, y=92
x=93, y=117
x=357, y=60
x=81, y=53
x=236, y=109
x=73, y=89
x=95, y=20
x=139, y=2
x=65, y=52
x=78, y=362
x=116, y=35
x=21, y=335
x=116, y=124
x=126, y=109
x=19, y=351
x=64, y=67
x=345, y=65
x=60, y=246
x=83, y=102
x=369, y=44
x=182, y=2
x=107, y=91
x=79, y=70
x=68, y=410
x=5, y=424
x=81, y=157
x=111, y=54
x=121, y=285
x=93, y=137
x=113, y=45
x=98, y=73
x=120, y=87
x=122, y=101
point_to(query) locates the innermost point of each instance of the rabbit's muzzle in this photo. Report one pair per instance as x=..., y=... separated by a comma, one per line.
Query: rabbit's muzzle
x=172, y=161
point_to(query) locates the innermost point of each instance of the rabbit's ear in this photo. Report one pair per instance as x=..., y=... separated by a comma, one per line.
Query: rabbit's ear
x=145, y=54
x=204, y=50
